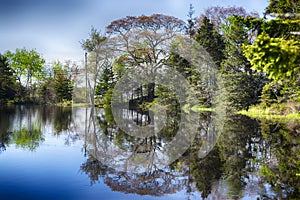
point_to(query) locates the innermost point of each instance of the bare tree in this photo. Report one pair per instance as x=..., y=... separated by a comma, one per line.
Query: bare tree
x=218, y=15
x=99, y=57
x=144, y=40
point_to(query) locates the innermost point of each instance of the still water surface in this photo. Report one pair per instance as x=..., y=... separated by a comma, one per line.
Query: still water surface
x=49, y=152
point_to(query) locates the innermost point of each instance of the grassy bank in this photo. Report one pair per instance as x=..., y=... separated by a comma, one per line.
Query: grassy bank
x=287, y=111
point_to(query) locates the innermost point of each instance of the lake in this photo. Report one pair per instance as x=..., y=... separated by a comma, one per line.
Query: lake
x=50, y=152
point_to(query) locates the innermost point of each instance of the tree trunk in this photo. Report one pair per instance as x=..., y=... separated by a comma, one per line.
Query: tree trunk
x=151, y=87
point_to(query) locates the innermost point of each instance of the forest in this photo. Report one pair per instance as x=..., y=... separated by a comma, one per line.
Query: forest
x=257, y=59
x=159, y=107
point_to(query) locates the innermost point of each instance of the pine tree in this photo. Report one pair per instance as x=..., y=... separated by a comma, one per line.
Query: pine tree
x=242, y=84
x=7, y=81
x=63, y=83
x=106, y=81
x=191, y=22
x=211, y=40
x=283, y=7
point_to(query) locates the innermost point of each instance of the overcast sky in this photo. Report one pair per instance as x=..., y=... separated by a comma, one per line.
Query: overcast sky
x=55, y=27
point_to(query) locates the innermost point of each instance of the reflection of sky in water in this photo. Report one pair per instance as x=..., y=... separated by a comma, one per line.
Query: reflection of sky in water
x=54, y=169
x=53, y=172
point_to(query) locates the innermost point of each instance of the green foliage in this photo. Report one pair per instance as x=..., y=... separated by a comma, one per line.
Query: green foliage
x=47, y=91
x=283, y=6
x=26, y=63
x=277, y=57
x=283, y=92
x=284, y=144
x=7, y=81
x=28, y=68
x=276, y=53
x=192, y=74
x=211, y=40
x=280, y=28
x=106, y=80
x=121, y=65
x=271, y=93
x=29, y=138
x=107, y=98
x=63, y=83
x=243, y=85
x=92, y=43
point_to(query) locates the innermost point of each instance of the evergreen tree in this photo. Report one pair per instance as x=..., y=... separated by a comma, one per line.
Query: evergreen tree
x=283, y=7
x=106, y=80
x=191, y=22
x=47, y=91
x=63, y=83
x=211, y=40
x=7, y=81
x=242, y=84
x=276, y=51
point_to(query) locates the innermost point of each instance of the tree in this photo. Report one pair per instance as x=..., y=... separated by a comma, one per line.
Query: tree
x=144, y=40
x=276, y=51
x=242, y=84
x=106, y=81
x=7, y=81
x=27, y=65
x=209, y=37
x=219, y=15
x=283, y=7
x=47, y=91
x=191, y=22
x=99, y=58
x=277, y=57
x=63, y=83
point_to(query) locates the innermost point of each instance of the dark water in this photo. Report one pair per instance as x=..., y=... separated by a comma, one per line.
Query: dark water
x=73, y=153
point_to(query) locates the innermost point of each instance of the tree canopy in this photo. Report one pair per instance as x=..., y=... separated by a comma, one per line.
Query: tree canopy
x=283, y=7
x=277, y=57
x=143, y=38
x=7, y=81
x=27, y=64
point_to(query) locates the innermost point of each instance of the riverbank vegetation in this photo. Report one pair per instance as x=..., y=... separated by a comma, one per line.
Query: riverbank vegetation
x=257, y=58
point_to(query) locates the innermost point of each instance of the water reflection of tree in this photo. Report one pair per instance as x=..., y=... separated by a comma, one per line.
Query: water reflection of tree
x=4, y=140
x=206, y=171
x=268, y=150
x=247, y=156
x=6, y=116
x=141, y=118
x=25, y=126
x=236, y=147
x=156, y=183
x=27, y=129
x=29, y=136
x=153, y=181
x=62, y=119
x=281, y=166
x=64, y=124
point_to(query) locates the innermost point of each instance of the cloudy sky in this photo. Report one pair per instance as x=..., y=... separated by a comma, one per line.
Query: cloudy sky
x=55, y=27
